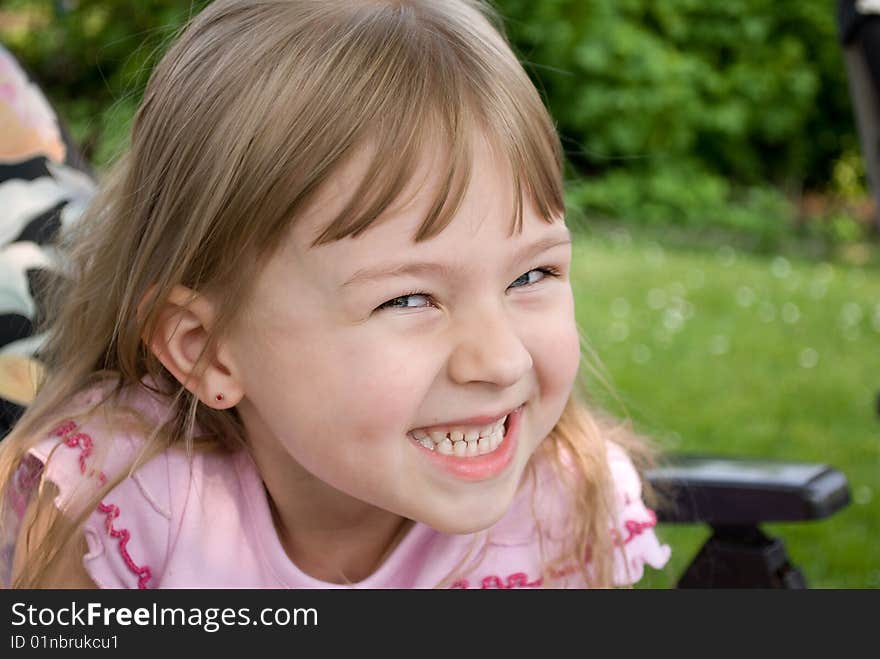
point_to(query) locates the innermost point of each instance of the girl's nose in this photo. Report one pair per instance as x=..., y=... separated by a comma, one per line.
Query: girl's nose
x=488, y=349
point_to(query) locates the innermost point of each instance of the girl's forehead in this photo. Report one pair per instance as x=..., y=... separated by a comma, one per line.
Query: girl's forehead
x=472, y=241
x=478, y=241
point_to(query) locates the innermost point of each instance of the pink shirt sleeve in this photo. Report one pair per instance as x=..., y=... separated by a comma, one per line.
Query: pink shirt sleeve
x=633, y=531
x=513, y=555
x=128, y=531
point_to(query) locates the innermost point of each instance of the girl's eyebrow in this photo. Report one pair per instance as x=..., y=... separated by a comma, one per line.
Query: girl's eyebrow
x=443, y=270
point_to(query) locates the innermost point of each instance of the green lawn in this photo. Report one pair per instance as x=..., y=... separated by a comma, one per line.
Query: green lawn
x=715, y=350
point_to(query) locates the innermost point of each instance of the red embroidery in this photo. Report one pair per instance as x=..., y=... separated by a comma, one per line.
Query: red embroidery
x=633, y=528
x=78, y=440
x=515, y=580
x=520, y=579
x=84, y=443
x=64, y=428
x=112, y=513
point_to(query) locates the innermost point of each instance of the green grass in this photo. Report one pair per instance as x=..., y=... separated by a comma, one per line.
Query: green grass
x=716, y=350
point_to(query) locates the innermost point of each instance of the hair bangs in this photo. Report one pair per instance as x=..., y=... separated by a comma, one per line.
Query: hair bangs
x=394, y=165
x=451, y=93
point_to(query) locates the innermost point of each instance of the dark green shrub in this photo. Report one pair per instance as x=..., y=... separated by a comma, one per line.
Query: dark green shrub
x=681, y=111
x=753, y=90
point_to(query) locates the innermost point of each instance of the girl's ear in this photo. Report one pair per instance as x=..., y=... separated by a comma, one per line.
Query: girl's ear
x=184, y=323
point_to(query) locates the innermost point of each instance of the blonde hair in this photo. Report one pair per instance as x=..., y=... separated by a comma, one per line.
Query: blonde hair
x=246, y=117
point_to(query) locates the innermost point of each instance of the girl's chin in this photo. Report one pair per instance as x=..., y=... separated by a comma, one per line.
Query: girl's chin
x=458, y=524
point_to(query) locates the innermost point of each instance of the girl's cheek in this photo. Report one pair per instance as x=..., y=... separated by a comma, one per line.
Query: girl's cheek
x=571, y=349
x=560, y=354
x=383, y=387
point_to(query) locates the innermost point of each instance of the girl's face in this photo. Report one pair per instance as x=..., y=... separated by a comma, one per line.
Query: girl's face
x=350, y=347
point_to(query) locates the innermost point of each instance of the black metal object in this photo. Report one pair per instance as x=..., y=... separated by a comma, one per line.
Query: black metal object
x=734, y=496
x=742, y=557
x=859, y=35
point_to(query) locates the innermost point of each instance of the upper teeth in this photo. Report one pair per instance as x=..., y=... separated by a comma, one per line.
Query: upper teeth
x=463, y=441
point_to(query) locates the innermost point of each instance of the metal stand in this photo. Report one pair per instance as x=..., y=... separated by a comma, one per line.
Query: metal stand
x=742, y=557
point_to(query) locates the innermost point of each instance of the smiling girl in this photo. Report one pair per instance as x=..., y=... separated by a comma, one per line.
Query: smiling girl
x=318, y=328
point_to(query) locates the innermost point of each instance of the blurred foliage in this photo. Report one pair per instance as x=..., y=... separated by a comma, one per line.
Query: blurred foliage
x=689, y=112
x=701, y=112
x=687, y=194
x=754, y=90
x=93, y=58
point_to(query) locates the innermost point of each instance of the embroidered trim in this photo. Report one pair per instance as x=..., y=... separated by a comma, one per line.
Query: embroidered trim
x=633, y=528
x=69, y=432
x=515, y=580
x=520, y=579
x=142, y=572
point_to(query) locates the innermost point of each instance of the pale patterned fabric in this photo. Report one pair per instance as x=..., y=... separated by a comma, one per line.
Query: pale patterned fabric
x=173, y=524
x=868, y=6
x=44, y=186
x=30, y=127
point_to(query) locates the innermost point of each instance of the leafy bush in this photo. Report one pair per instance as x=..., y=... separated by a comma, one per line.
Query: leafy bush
x=93, y=57
x=696, y=113
x=682, y=111
x=685, y=195
x=754, y=90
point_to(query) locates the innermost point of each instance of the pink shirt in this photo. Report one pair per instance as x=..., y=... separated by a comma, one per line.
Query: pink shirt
x=207, y=523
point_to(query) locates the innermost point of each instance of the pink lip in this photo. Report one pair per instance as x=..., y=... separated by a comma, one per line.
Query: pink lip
x=480, y=467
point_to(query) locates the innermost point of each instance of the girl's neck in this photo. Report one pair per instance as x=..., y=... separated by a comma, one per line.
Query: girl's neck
x=348, y=553
x=326, y=533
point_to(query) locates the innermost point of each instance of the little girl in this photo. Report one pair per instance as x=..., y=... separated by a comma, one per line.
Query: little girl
x=317, y=329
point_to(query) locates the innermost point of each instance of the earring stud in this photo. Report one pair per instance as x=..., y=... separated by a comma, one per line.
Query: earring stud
x=219, y=396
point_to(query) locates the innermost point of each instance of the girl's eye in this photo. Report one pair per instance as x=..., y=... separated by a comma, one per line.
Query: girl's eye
x=545, y=272
x=527, y=279
x=401, y=302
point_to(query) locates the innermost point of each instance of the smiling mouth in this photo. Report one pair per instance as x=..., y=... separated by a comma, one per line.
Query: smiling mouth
x=464, y=442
